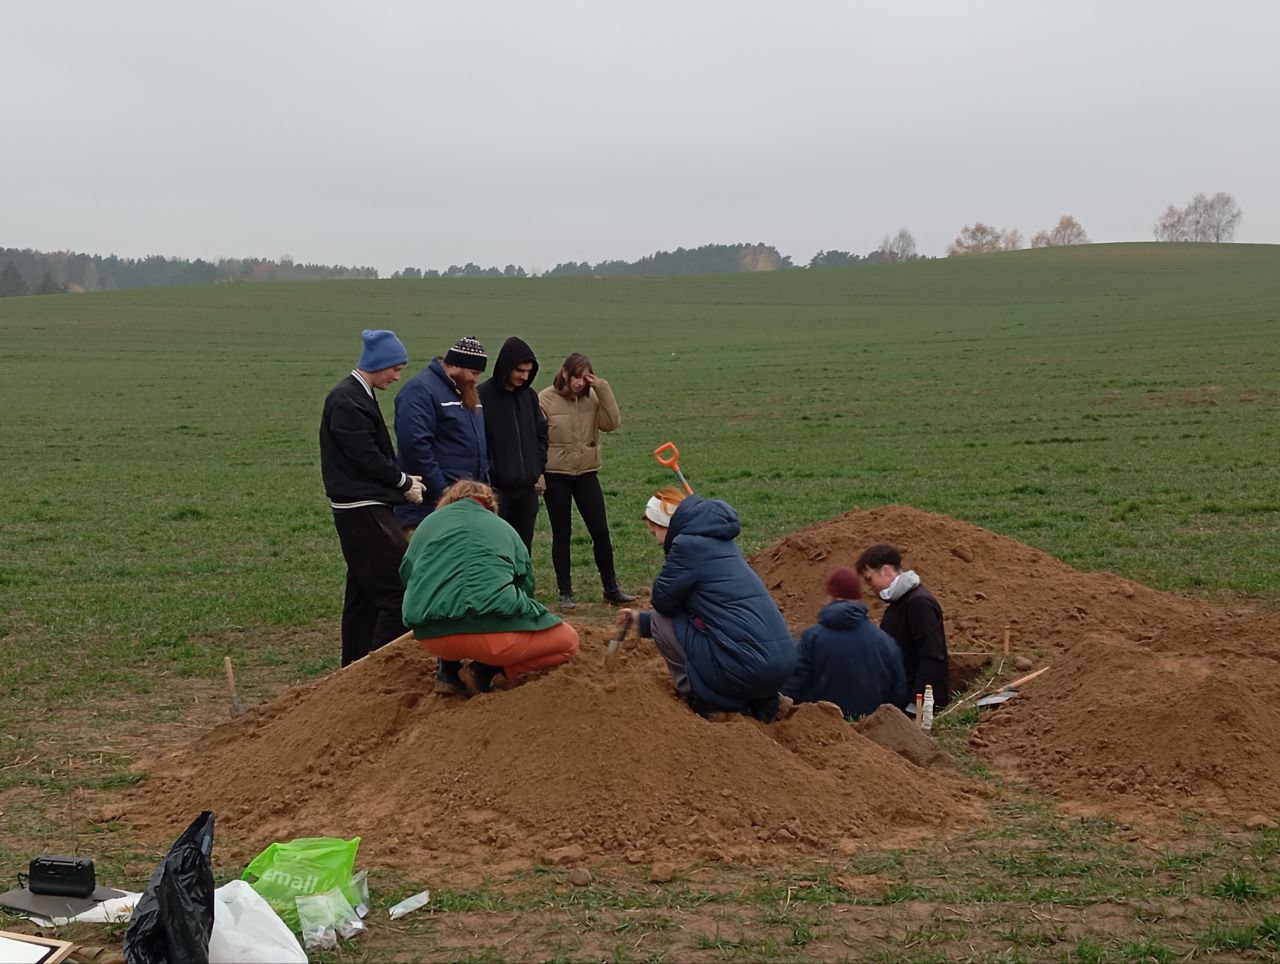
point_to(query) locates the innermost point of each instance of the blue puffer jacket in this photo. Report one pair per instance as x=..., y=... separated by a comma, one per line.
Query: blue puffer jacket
x=438, y=438
x=738, y=649
x=848, y=660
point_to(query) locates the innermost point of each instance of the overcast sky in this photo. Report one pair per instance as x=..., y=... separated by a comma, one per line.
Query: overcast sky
x=533, y=132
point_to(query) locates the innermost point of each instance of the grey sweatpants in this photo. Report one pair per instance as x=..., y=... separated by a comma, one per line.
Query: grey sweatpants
x=672, y=650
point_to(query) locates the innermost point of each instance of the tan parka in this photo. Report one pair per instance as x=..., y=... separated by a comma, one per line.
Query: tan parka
x=574, y=426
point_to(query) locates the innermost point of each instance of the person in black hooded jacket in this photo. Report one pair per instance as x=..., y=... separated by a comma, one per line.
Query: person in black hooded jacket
x=515, y=435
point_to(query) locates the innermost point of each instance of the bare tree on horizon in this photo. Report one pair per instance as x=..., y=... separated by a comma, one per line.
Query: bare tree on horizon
x=981, y=238
x=1067, y=231
x=1211, y=219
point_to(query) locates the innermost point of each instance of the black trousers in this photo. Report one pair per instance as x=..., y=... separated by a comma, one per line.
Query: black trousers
x=519, y=507
x=562, y=492
x=373, y=545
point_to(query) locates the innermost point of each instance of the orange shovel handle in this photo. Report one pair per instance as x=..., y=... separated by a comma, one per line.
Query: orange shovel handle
x=671, y=461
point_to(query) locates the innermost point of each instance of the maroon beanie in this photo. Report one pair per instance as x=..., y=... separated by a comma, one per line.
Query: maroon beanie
x=843, y=583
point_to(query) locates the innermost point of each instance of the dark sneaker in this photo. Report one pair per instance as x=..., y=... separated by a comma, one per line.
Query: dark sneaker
x=566, y=601
x=618, y=597
x=448, y=682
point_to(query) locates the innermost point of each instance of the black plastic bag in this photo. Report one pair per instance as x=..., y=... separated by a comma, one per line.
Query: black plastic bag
x=174, y=917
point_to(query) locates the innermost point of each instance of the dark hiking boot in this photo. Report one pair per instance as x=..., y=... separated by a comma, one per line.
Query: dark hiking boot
x=478, y=677
x=765, y=709
x=616, y=596
x=448, y=682
x=566, y=601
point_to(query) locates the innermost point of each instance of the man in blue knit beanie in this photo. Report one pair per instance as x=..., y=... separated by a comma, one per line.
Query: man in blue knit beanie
x=363, y=482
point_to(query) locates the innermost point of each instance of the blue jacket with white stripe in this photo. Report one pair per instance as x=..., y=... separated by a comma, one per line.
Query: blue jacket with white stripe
x=438, y=438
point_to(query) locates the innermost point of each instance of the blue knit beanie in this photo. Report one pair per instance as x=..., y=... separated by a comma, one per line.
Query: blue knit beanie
x=382, y=349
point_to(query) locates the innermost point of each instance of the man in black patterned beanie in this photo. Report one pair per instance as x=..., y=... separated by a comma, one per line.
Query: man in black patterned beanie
x=440, y=426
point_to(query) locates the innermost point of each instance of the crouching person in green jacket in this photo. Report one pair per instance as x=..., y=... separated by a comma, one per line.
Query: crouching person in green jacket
x=468, y=595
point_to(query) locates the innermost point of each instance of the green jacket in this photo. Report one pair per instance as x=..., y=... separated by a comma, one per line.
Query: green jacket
x=467, y=571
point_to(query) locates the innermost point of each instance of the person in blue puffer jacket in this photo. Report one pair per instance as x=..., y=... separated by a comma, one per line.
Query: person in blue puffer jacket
x=847, y=659
x=724, y=640
x=440, y=427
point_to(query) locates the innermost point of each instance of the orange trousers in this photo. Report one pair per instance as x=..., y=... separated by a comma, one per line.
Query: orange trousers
x=516, y=653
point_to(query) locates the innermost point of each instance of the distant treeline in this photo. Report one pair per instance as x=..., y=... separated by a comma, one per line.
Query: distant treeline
x=24, y=271
x=707, y=259
x=47, y=272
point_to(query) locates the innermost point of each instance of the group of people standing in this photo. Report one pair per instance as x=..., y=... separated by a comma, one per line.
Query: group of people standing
x=451, y=427
x=439, y=540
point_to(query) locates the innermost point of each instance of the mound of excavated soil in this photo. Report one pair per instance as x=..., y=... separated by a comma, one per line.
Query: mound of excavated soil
x=573, y=765
x=1189, y=720
x=1154, y=703
x=889, y=727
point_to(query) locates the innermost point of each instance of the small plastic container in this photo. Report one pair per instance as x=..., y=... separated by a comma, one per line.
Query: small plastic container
x=409, y=904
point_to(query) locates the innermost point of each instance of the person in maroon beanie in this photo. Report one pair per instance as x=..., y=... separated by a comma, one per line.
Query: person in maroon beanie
x=845, y=658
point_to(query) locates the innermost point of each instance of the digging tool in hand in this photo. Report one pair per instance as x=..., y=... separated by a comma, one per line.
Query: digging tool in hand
x=615, y=644
x=667, y=454
x=237, y=708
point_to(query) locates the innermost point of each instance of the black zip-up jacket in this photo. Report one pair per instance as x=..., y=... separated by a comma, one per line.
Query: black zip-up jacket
x=357, y=461
x=515, y=428
x=914, y=620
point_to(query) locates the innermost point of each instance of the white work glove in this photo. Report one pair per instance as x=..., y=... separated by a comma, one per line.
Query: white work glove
x=415, y=491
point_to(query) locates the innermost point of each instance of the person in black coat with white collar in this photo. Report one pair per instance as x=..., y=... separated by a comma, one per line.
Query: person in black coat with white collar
x=363, y=482
x=913, y=618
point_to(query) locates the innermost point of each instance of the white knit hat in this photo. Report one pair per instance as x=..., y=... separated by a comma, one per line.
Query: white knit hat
x=657, y=512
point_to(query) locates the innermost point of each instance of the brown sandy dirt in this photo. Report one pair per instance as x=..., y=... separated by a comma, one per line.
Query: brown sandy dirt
x=889, y=727
x=573, y=766
x=1154, y=704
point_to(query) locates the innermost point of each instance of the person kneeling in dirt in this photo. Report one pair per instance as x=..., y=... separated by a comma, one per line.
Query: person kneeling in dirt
x=913, y=618
x=468, y=594
x=726, y=645
x=845, y=658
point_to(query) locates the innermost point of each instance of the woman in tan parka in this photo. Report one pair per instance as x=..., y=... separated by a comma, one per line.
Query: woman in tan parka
x=578, y=406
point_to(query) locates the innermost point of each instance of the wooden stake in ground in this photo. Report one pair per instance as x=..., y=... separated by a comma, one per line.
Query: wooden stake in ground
x=237, y=708
x=1007, y=631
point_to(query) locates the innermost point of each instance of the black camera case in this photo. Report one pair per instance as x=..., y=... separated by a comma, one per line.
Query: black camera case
x=62, y=876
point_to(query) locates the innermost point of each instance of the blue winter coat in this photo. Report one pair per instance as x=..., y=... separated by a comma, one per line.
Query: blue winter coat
x=737, y=645
x=848, y=660
x=438, y=438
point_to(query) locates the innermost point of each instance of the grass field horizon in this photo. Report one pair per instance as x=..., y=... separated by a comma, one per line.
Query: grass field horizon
x=1110, y=404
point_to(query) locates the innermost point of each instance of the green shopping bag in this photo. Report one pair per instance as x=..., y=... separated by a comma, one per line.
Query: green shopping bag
x=309, y=865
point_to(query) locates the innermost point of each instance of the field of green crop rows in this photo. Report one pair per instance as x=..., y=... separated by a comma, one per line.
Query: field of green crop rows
x=1115, y=405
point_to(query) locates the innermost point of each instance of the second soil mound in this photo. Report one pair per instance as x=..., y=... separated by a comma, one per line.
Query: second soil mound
x=1154, y=703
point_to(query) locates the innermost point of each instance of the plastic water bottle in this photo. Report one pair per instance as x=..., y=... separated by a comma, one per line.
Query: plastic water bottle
x=926, y=717
x=410, y=904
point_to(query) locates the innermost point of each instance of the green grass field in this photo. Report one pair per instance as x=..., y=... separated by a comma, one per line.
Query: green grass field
x=1114, y=405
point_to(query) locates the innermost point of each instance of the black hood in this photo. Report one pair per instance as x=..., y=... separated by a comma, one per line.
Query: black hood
x=514, y=351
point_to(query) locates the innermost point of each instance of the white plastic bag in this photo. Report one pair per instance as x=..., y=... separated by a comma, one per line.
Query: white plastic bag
x=247, y=931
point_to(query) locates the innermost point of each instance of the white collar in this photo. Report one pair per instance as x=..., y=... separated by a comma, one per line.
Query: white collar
x=360, y=378
x=902, y=584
